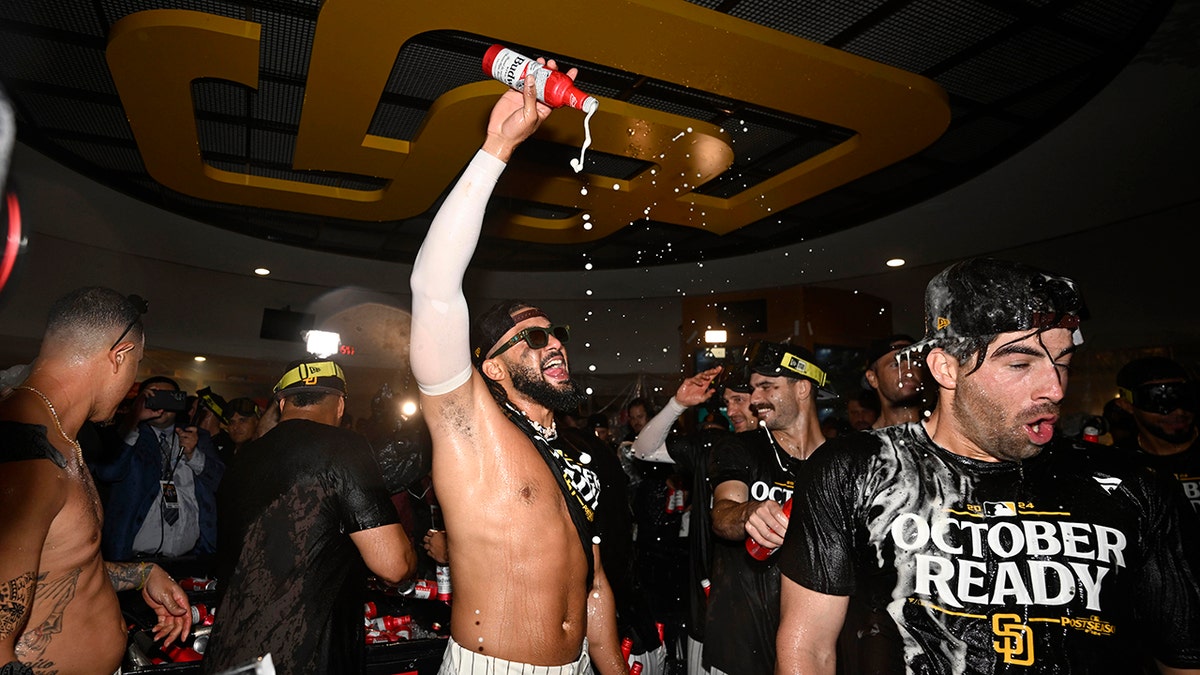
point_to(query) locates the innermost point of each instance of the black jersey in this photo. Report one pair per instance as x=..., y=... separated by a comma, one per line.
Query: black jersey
x=743, y=604
x=692, y=455
x=291, y=581
x=1184, y=466
x=1071, y=561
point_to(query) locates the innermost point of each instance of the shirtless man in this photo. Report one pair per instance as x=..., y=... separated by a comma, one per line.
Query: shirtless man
x=517, y=528
x=58, y=605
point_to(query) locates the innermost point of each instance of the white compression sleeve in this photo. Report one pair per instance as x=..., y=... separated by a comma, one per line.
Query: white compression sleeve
x=440, y=347
x=651, y=444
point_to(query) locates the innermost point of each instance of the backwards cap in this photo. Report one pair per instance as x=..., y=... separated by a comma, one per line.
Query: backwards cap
x=315, y=376
x=985, y=296
x=775, y=359
x=884, y=346
x=490, y=326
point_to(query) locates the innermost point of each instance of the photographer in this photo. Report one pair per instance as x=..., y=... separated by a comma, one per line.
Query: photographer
x=162, y=501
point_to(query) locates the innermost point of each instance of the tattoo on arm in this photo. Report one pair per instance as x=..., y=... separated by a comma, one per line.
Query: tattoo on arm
x=15, y=599
x=128, y=576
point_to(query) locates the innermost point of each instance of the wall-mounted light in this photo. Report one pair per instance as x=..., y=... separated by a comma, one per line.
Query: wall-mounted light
x=716, y=336
x=895, y=262
x=199, y=359
x=261, y=271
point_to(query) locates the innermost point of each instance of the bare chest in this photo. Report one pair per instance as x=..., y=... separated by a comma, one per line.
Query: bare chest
x=76, y=528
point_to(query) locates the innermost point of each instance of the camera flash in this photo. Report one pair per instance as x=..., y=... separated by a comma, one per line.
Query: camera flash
x=322, y=343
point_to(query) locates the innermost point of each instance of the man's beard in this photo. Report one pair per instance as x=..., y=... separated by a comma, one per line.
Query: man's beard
x=527, y=381
x=977, y=416
x=1177, y=438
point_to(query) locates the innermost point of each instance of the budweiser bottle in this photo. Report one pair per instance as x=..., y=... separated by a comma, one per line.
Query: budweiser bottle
x=553, y=88
x=443, y=571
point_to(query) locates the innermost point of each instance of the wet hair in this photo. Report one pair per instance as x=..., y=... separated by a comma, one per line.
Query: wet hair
x=89, y=317
x=971, y=302
x=964, y=348
x=496, y=389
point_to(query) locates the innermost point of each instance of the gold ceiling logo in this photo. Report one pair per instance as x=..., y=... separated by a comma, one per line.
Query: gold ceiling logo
x=156, y=55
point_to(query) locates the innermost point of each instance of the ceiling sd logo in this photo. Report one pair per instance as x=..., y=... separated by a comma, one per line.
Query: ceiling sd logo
x=155, y=55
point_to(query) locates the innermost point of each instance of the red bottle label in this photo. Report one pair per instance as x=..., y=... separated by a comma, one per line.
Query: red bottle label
x=757, y=550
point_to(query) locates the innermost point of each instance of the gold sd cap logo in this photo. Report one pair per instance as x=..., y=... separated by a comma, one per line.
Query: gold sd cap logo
x=155, y=56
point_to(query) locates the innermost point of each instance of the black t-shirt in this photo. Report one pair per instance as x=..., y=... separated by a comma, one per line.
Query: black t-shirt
x=1072, y=561
x=743, y=604
x=291, y=581
x=1184, y=466
x=692, y=456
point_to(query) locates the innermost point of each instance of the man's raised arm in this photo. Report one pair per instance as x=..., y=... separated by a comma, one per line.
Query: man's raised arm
x=440, y=348
x=651, y=444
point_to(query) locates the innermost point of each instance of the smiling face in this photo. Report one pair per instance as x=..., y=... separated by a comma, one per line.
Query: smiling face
x=741, y=416
x=541, y=375
x=775, y=400
x=1007, y=409
x=241, y=427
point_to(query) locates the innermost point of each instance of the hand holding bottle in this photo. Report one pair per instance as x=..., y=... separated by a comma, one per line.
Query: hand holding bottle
x=767, y=526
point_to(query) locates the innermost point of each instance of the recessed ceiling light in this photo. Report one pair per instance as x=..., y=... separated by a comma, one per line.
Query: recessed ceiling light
x=200, y=359
x=261, y=271
x=896, y=262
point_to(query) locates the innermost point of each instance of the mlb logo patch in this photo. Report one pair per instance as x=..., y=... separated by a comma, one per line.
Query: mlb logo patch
x=999, y=509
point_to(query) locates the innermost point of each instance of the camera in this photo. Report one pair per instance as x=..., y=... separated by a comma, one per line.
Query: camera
x=166, y=400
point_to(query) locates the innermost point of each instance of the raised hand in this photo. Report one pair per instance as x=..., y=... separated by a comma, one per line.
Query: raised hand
x=516, y=116
x=698, y=388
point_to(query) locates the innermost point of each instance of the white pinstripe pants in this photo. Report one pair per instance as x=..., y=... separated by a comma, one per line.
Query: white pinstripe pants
x=460, y=661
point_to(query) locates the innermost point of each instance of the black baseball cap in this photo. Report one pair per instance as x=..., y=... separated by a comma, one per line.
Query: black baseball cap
x=246, y=407
x=1150, y=369
x=776, y=359
x=884, y=346
x=1173, y=388
x=315, y=376
x=500, y=318
x=979, y=297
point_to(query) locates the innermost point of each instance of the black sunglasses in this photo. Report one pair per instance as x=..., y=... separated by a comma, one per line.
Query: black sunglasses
x=141, y=305
x=536, y=337
x=1163, y=398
